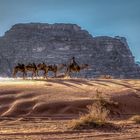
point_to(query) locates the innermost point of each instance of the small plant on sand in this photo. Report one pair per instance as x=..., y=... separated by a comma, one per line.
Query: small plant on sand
x=97, y=116
x=88, y=121
x=105, y=103
x=136, y=119
x=94, y=119
x=106, y=77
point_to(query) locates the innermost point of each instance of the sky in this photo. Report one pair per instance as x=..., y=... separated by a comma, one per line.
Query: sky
x=98, y=17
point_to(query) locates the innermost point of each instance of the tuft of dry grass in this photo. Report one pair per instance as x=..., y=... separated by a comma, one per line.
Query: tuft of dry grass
x=106, y=77
x=97, y=116
x=99, y=97
x=103, y=103
x=136, y=119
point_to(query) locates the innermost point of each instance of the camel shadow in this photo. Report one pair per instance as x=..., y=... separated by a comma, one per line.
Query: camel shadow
x=74, y=83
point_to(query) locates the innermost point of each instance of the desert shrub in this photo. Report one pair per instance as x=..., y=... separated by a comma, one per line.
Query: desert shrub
x=135, y=119
x=105, y=103
x=106, y=77
x=97, y=116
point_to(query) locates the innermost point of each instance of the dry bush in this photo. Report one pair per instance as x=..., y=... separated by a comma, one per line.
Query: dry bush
x=135, y=119
x=97, y=111
x=97, y=116
x=106, y=77
x=105, y=103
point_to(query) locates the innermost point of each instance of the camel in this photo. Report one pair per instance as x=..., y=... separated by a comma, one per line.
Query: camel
x=42, y=67
x=31, y=68
x=54, y=68
x=19, y=68
x=75, y=68
x=24, y=69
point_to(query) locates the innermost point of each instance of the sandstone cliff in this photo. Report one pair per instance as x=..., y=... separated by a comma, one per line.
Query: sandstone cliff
x=57, y=43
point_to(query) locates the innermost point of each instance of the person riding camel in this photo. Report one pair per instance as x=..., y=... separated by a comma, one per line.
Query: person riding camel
x=73, y=62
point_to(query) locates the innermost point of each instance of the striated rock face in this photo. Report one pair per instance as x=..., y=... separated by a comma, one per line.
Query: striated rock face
x=57, y=43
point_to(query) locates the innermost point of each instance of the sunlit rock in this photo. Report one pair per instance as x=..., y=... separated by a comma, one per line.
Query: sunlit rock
x=57, y=43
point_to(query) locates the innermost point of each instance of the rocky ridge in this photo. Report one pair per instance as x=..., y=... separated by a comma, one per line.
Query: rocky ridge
x=57, y=43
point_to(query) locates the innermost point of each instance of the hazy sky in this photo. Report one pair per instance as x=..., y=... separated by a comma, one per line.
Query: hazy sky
x=99, y=17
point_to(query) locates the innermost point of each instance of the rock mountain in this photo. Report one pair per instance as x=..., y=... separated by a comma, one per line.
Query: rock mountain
x=57, y=43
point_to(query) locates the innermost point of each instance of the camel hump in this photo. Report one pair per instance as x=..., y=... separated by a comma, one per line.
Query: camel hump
x=19, y=64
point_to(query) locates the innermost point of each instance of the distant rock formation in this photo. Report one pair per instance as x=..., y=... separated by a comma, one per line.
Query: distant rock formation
x=57, y=43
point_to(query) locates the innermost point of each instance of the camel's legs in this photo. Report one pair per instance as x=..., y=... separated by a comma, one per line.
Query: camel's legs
x=55, y=74
x=46, y=74
x=24, y=74
x=67, y=71
x=37, y=75
x=33, y=73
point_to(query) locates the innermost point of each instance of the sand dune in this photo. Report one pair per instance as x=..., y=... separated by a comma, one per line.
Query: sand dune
x=41, y=109
x=66, y=97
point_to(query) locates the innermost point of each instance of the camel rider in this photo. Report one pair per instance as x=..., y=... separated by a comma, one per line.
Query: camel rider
x=73, y=62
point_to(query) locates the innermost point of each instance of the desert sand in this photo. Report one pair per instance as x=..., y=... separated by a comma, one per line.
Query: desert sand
x=41, y=109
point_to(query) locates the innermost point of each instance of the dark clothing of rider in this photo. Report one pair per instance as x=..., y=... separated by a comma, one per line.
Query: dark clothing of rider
x=73, y=62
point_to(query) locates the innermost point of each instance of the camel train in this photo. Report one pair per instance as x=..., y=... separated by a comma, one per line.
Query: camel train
x=72, y=66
